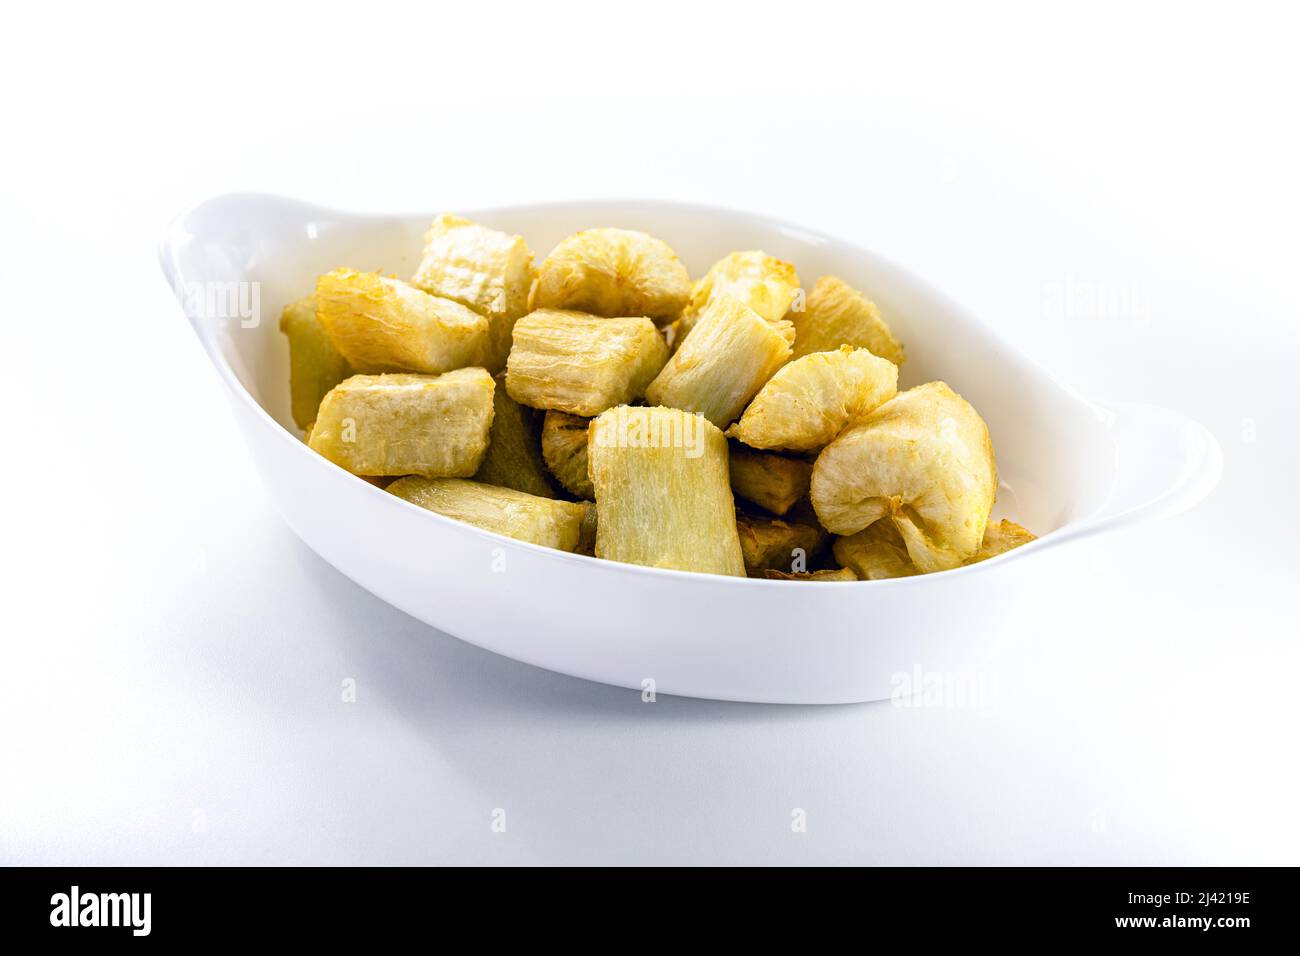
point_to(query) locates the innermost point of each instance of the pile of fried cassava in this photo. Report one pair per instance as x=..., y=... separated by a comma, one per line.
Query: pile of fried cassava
x=606, y=404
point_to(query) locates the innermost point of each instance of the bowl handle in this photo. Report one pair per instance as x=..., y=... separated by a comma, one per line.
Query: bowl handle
x=1165, y=462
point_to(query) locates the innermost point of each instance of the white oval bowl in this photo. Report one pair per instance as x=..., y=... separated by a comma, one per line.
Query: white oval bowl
x=1068, y=468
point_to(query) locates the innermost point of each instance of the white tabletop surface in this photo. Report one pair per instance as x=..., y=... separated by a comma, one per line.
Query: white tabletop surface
x=1115, y=191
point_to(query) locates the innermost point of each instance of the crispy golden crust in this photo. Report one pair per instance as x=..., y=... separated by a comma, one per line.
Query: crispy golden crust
x=564, y=448
x=544, y=521
x=878, y=551
x=590, y=523
x=875, y=553
x=722, y=363
x=773, y=482
x=384, y=325
x=402, y=424
x=836, y=574
x=614, y=272
x=837, y=314
x=315, y=365
x=582, y=364
x=488, y=271
x=810, y=400
x=773, y=544
x=1000, y=538
x=922, y=460
x=514, y=454
x=662, y=491
x=764, y=283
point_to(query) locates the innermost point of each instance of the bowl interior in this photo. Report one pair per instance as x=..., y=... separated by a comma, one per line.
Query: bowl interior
x=1055, y=460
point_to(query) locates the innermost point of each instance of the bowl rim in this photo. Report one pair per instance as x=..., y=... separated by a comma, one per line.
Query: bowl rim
x=169, y=240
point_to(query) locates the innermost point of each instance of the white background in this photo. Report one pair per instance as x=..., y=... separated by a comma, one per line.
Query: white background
x=173, y=656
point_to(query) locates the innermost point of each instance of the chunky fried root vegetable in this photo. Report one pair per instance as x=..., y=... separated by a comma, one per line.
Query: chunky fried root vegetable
x=878, y=551
x=614, y=272
x=582, y=364
x=773, y=482
x=999, y=539
x=875, y=553
x=544, y=521
x=765, y=284
x=922, y=460
x=514, y=454
x=384, y=325
x=773, y=544
x=587, y=542
x=905, y=482
x=488, y=271
x=315, y=365
x=564, y=448
x=810, y=400
x=838, y=574
x=836, y=314
x=662, y=491
x=432, y=425
x=723, y=362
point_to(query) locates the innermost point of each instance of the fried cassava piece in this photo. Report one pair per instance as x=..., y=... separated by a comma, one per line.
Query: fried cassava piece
x=587, y=541
x=1000, y=538
x=878, y=552
x=764, y=283
x=405, y=424
x=922, y=460
x=875, y=553
x=564, y=448
x=315, y=365
x=582, y=364
x=614, y=272
x=663, y=496
x=776, y=545
x=544, y=521
x=488, y=271
x=381, y=324
x=723, y=362
x=514, y=454
x=836, y=574
x=810, y=400
x=837, y=314
x=773, y=482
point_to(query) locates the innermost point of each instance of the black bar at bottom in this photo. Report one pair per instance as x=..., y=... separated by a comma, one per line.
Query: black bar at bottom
x=655, y=906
